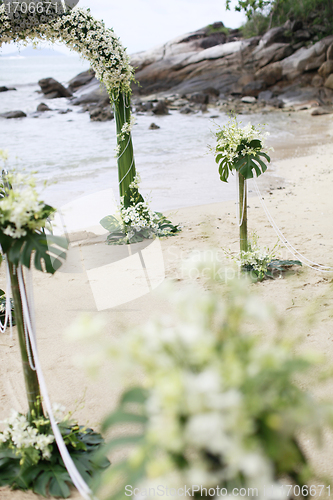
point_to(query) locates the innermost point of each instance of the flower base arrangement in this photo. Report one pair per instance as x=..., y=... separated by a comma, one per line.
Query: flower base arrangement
x=29, y=456
x=262, y=263
x=136, y=221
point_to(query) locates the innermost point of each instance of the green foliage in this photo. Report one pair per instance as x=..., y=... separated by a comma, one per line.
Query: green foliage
x=26, y=468
x=23, y=222
x=279, y=266
x=249, y=162
x=222, y=29
x=312, y=12
x=42, y=247
x=240, y=148
x=256, y=26
x=263, y=14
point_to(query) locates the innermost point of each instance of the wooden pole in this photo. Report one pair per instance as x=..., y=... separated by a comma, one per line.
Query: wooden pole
x=30, y=376
x=243, y=213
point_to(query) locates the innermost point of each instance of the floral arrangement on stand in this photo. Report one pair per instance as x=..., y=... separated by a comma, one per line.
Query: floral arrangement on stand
x=219, y=404
x=242, y=150
x=31, y=456
x=136, y=221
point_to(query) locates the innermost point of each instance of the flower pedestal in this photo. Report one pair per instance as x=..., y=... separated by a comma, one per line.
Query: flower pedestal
x=242, y=186
x=241, y=150
x=30, y=375
x=38, y=451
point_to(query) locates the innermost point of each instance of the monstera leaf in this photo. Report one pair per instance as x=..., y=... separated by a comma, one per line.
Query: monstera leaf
x=48, y=251
x=245, y=163
x=224, y=167
x=248, y=163
x=111, y=224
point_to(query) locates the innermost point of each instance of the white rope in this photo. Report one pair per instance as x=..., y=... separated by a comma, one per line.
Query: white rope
x=128, y=171
x=126, y=98
x=128, y=142
x=307, y=262
x=75, y=476
x=240, y=220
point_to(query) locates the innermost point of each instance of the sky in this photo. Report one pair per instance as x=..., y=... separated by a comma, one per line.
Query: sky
x=144, y=24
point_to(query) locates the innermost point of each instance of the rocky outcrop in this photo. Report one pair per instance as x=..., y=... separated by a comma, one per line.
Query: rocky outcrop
x=13, y=114
x=100, y=114
x=42, y=107
x=53, y=89
x=329, y=82
x=283, y=58
x=6, y=89
x=80, y=80
x=92, y=93
x=288, y=66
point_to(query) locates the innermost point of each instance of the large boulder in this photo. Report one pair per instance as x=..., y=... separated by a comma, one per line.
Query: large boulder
x=326, y=68
x=6, y=89
x=317, y=81
x=253, y=89
x=81, y=79
x=161, y=108
x=94, y=92
x=329, y=54
x=13, y=114
x=296, y=63
x=329, y=82
x=42, y=107
x=218, y=51
x=316, y=63
x=199, y=98
x=100, y=114
x=275, y=52
x=274, y=35
x=53, y=89
x=270, y=74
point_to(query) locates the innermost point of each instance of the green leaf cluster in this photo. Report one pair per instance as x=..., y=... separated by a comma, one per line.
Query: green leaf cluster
x=50, y=477
x=124, y=233
x=47, y=250
x=244, y=163
x=263, y=14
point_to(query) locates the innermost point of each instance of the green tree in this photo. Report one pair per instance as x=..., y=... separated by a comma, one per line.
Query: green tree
x=277, y=12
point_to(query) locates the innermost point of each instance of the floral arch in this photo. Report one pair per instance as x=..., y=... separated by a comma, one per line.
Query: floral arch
x=82, y=33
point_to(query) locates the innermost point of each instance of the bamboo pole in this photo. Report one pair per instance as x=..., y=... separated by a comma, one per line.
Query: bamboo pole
x=243, y=213
x=30, y=376
x=126, y=164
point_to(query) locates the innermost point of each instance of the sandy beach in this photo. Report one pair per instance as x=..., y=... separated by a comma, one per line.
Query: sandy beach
x=299, y=197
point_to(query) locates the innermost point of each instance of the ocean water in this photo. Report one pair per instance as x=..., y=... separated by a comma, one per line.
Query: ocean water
x=76, y=156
